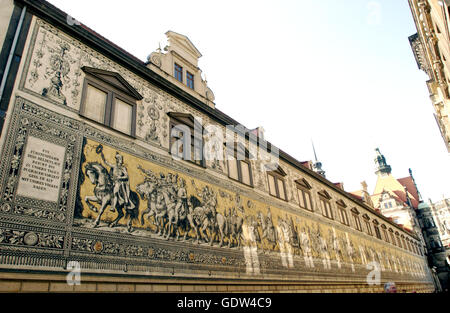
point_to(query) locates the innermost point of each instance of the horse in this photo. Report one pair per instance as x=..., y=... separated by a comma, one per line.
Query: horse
x=323, y=251
x=159, y=206
x=235, y=231
x=250, y=233
x=228, y=229
x=204, y=218
x=268, y=231
x=103, y=195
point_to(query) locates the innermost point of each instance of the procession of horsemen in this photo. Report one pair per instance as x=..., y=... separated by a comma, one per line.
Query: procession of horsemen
x=176, y=214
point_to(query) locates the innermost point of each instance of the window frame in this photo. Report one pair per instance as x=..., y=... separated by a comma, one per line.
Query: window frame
x=325, y=205
x=277, y=177
x=367, y=223
x=356, y=219
x=376, y=227
x=385, y=233
x=342, y=212
x=176, y=118
x=190, y=80
x=112, y=93
x=303, y=188
x=393, y=240
x=246, y=159
x=177, y=73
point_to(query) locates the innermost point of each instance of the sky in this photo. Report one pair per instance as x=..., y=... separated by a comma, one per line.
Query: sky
x=339, y=73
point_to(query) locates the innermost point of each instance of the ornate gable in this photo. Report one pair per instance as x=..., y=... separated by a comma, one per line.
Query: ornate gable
x=181, y=45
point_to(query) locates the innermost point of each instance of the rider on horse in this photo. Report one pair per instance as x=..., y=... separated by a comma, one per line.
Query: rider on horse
x=119, y=176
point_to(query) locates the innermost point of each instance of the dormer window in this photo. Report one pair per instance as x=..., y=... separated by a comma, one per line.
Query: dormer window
x=190, y=80
x=108, y=99
x=178, y=72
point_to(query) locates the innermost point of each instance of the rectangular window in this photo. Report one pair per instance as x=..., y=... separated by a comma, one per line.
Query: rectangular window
x=281, y=192
x=386, y=236
x=393, y=239
x=326, y=208
x=399, y=243
x=95, y=104
x=357, y=222
x=178, y=72
x=377, y=231
x=272, y=188
x=245, y=172
x=239, y=166
x=304, y=199
x=104, y=103
x=233, y=169
x=308, y=201
x=276, y=186
x=190, y=80
x=183, y=142
x=122, y=116
x=369, y=229
x=343, y=215
x=301, y=198
x=404, y=243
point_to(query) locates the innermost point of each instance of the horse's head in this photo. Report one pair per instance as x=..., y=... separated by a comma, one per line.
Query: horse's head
x=146, y=188
x=92, y=172
x=97, y=173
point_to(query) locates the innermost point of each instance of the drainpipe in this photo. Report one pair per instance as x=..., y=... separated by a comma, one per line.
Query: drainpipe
x=11, y=52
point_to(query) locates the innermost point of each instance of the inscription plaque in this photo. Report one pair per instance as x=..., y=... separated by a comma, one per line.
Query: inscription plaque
x=40, y=177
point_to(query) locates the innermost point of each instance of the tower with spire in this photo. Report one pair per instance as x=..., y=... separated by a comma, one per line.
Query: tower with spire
x=317, y=166
x=381, y=167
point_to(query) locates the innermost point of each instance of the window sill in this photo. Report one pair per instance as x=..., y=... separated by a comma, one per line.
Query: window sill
x=107, y=126
x=240, y=182
x=276, y=197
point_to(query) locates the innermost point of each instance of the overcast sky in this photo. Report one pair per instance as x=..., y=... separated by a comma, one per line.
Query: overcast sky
x=340, y=73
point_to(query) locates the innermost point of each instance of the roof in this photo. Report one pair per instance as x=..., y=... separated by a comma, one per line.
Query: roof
x=408, y=182
x=396, y=187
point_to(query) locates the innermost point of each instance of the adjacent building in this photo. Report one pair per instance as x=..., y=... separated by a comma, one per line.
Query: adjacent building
x=400, y=201
x=431, y=48
x=127, y=171
x=436, y=253
x=441, y=215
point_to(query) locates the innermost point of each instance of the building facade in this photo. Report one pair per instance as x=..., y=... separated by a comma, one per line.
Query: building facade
x=431, y=48
x=114, y=174
x=436, y=253
x=395, y=198
x=441, y=215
